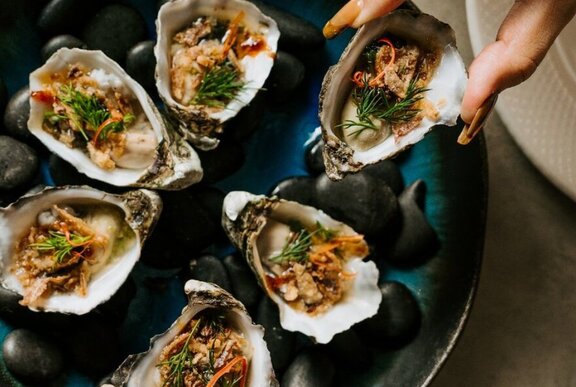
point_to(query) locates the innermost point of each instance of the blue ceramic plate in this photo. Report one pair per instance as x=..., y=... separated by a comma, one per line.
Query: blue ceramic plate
x=455, y=176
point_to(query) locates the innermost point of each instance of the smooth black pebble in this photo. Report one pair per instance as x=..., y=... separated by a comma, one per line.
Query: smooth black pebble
x=64, y=173
x=16, y=115
x=296, y=34
x=388, y=172
x=141, y=64
x=114, y=309
x=363, y=202
x=114, y=30
x=397, y=321
x=311, y=368
x=58, y=42
x=281, y=343
x=244, y=285
x=248, y=119
x=31, y=357
x=301, y=189
x=340, y=348
x=65, y=16
x=3, y=96
x=286, y=76
x=221, y=162
x=314, y=157
x=18, y=163
x=414, y=241
x=208, y=268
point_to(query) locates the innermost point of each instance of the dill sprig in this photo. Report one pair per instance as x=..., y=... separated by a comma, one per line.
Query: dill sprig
x=372, y=104
x=296, y=249
x=178, y=362
x=60, y=245
x=220, y=85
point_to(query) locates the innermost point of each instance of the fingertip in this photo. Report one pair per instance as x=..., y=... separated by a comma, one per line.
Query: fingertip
x=372, y=9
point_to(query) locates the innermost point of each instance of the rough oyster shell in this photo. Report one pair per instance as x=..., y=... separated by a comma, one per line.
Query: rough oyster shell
x=176, y=15
x=445, y=93
x=141, y=209
x=175, y=164
x=140, y=369
x=245, y=218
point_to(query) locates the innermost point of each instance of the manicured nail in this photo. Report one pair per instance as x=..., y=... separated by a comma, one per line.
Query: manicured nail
x=342, y=20
x=482, y=114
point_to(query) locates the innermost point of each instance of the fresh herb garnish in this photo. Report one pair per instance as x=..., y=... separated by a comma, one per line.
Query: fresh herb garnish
x=62, y=245
x=300, y=242
x=220, y=85
x=372, y=103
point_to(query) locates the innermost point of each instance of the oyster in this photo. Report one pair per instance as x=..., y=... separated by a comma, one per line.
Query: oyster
x=309, y=264
x=85, y=108
x=69, y=249
x=399, y=76
x=212, y=58
x=213, y=321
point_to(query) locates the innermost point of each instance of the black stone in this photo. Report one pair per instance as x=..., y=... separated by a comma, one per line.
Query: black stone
x=3, y=97
x=286, y=76
x=281, y=343
x=296, y=34
x=388, y=172
x=31, y=357
x=58, y=42
x=344, y=344
x=414, y=240
x=189, y=223
x=314, y=158
x=65, y=16
x=363, y=202
x=141, y=64
x=397, y=321
x=114, y=30
x=311, y=368
x=221, y=162
x=248, y=119
x=17, y=114
x=18, y=163
x=64, y=173
x=94, y=347
x=208, y=268
x=114, y=310
x=244, y=285
x=301, y=189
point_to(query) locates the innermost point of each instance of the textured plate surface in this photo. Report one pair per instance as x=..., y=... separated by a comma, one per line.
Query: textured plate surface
x=456, y=183
x=539, y=113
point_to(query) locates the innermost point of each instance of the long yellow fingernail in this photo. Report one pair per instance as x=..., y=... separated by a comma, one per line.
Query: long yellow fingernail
x=342, y=19
x=482, y=114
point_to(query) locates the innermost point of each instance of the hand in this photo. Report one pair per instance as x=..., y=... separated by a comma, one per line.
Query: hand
x=523, y=40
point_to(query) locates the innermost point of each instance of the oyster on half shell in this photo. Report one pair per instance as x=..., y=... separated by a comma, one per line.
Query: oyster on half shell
x=309, y=264
x=69, y=249
x=216, y=331
x=85, y=108
x=212, y=58
x=399, y=76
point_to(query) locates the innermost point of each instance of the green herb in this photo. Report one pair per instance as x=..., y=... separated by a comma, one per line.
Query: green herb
x=116, y=126
x=179, y=361
x=220, y=85
x=54, y=118
x=300, y=242
x=372, y=103
x=61, y=246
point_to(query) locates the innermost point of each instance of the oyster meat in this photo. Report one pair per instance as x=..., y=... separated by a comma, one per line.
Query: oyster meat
x=69, y=249
x=212, y=58
x=309, y=264
x=399, y=76
x=212, y=343
x=86, y=109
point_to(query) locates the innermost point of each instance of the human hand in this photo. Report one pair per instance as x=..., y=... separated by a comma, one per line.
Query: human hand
x=523, y=40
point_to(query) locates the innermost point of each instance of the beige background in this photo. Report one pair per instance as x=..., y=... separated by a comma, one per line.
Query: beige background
x=522, y=329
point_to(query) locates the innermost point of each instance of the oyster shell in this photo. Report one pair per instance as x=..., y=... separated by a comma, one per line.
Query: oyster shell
x=262, y=228
x=71, y=112
x=183, y=63
x=142, y=369
x=426, y=60
x=106, y=233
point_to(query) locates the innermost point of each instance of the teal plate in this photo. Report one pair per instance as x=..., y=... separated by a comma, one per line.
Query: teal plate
x=455, y=177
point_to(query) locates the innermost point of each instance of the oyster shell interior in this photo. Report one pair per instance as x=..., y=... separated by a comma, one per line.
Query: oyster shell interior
x=69, y=249
x=399, y=77
x=309, y=264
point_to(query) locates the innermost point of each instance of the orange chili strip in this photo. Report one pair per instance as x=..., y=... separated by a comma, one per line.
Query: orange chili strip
x=224, y=370
x=358, y=78
x=374, y=81
x=348, y=238
x=69, y=240
x=43, y=96
x=102, y=126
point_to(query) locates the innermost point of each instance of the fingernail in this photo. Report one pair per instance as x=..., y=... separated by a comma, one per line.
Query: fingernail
x=482, y=114
x=342, y=19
